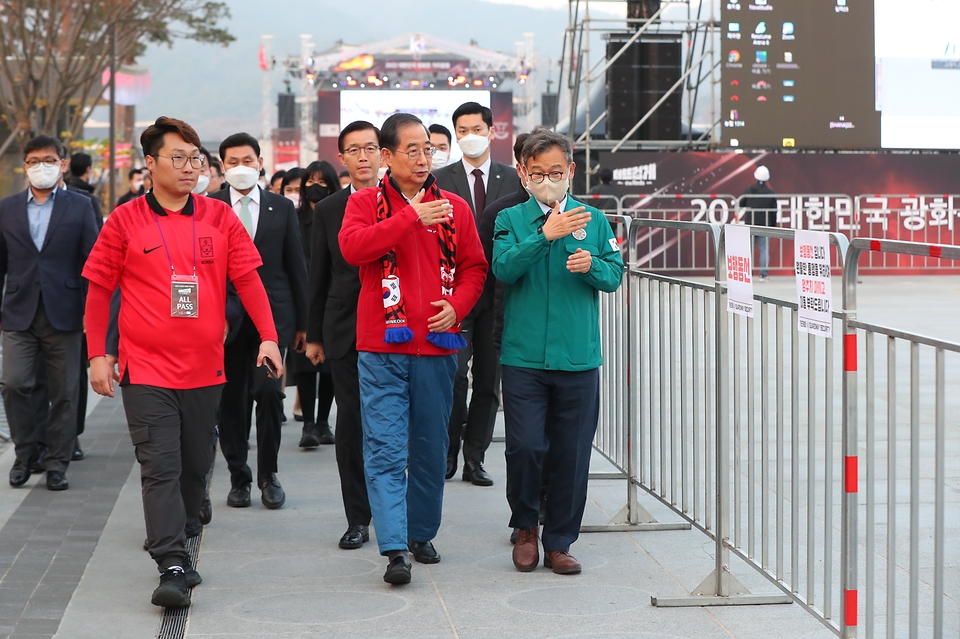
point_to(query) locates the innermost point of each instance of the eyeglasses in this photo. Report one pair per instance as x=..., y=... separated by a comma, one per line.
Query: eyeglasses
x=555, y=176
x=47, y=162
x=180, y=161
x=414, y=154
x=355, y=150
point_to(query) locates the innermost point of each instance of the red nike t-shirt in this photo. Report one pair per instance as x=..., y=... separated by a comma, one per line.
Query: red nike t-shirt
x=157, y=349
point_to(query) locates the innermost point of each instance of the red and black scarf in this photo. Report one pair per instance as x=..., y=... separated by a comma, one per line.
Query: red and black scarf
x=397, y=331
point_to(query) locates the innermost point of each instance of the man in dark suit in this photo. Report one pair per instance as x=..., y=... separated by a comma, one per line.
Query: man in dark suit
x=479, y=180
x=271, y=221
x=46, y=234
x=332, y=326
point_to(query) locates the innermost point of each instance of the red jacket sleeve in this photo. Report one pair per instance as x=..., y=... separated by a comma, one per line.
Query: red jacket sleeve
x=97, y=318
x=362, y=238
x=255, y=302
x=471, y=263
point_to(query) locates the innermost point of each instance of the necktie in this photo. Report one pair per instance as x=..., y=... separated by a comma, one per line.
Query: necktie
x=245, y=218
x=479, y=195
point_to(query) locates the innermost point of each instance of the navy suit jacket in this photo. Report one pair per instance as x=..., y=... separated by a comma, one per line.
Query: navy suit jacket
x=54, y=270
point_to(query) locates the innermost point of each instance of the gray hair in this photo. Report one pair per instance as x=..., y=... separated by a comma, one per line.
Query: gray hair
x=542, y=140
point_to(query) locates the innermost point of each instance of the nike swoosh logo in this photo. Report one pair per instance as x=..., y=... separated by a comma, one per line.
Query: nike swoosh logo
x=145, y=251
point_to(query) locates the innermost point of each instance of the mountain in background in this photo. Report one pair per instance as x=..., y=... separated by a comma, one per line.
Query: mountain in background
x=220, y=90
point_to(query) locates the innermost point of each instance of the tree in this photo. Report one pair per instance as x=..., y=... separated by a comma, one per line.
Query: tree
x=53, y=53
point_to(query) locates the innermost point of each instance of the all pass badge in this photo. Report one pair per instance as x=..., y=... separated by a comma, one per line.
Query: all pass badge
x=580, y=235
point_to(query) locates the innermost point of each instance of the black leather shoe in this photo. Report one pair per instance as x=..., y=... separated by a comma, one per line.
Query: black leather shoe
x=325, y=434
x=77, y=453
x=19, y=474
x=514, y=535
x=355, y=537
x=451, y=467
x=398, y=571
x=424, y=552
x=239, y=496
x=271, y=493
x=57, y=480
x=310, y=438
x=206, y=511
x=474, y=473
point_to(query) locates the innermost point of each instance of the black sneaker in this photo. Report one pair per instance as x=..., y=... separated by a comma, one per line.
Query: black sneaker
x=190, y=573
x=398, y=571
x=173, y=591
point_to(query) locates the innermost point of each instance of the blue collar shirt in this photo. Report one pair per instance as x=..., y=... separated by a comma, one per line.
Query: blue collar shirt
x=38, y=215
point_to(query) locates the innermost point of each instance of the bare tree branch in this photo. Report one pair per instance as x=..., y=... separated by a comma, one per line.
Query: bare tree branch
x=53, y=53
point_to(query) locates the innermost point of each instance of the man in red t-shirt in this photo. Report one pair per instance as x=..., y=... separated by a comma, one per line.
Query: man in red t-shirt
x=170, y=253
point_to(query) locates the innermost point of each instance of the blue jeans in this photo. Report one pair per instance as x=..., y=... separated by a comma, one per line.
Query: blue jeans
x=405, y=404
x=764, y=243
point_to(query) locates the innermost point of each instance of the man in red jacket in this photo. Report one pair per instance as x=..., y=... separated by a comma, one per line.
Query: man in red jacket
x=421, y=271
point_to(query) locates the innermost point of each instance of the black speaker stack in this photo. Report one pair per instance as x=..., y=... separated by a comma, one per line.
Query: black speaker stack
x=638, y=79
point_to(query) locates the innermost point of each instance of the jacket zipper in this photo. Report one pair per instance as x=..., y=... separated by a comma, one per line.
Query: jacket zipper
x=416, y=243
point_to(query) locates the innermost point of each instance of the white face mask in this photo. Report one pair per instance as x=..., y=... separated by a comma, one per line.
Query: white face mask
x=43, y=177
x=295, y=198
x=440, y=159
x=473, y=145
x=548, y=192
x=242, y=177
x=381, y=172
x=203, y=181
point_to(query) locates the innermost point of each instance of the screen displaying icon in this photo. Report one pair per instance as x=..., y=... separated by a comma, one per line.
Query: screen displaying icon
x=762, y=84
x=761, y=3
x=734, y=114
x=789, y=142
x=787, y=56
x=734, y=83
x=841, y=3
x=734, y=142
x=734, y=27
x=787, y=28
x=762, y=98
x=735, y=98
x=761, y=57
x=761, y=28
x=788, y=83
x=734, y=56
x=788, y=98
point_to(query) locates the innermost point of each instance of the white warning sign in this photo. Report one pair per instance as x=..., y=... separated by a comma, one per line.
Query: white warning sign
x=814, y=294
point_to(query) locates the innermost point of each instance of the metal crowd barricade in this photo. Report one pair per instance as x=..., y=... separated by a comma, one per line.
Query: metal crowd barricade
x=776, y=458
x=684, y=252
x=929, y=219
x=907, y=595
x=829, y=212
x=616, y=432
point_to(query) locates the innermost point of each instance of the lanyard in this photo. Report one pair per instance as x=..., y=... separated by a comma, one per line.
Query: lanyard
x=167, y=249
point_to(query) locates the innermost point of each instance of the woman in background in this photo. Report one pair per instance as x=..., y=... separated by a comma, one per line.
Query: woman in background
x=313, y=184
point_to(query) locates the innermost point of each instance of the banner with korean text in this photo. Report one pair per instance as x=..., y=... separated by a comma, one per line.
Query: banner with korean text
x=739, y=270
x=814, y=294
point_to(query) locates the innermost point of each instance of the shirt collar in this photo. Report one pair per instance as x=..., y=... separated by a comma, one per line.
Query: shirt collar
x=254, y=195
x=159, y=210
x=485, y=167
x=548, y=209
x=32, y=198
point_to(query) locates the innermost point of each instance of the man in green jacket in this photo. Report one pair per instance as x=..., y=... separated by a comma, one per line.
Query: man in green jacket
x=554, y=255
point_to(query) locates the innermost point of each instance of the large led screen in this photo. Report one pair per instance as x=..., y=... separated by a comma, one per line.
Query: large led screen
x=841, y=74
x=433, y=107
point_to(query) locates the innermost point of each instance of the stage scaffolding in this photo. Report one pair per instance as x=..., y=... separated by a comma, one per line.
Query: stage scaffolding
x=698, y=24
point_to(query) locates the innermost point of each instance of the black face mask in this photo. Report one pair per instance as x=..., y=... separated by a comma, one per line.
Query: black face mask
x=316, y=192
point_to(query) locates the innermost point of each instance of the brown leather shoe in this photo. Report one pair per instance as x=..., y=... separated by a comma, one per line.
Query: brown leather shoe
x=526, y=552
x=562, y=563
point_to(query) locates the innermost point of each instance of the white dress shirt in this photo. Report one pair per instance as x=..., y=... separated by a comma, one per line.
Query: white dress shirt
x=254, y=205
x=471, y=178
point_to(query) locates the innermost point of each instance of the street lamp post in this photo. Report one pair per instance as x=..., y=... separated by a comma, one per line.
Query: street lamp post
x=112, y=165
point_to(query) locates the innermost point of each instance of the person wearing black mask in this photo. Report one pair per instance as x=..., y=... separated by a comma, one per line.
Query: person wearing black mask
x=317, y=181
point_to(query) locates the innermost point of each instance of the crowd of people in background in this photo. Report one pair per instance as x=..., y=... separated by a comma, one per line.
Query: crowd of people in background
x=385, y=285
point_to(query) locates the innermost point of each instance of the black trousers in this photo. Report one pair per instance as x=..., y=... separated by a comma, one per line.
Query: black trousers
x=550, y=415
x=315, y=398
x=60, y=351
x=475, y=426
x=171, y=432
x=246, y=381
x=349, y=440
